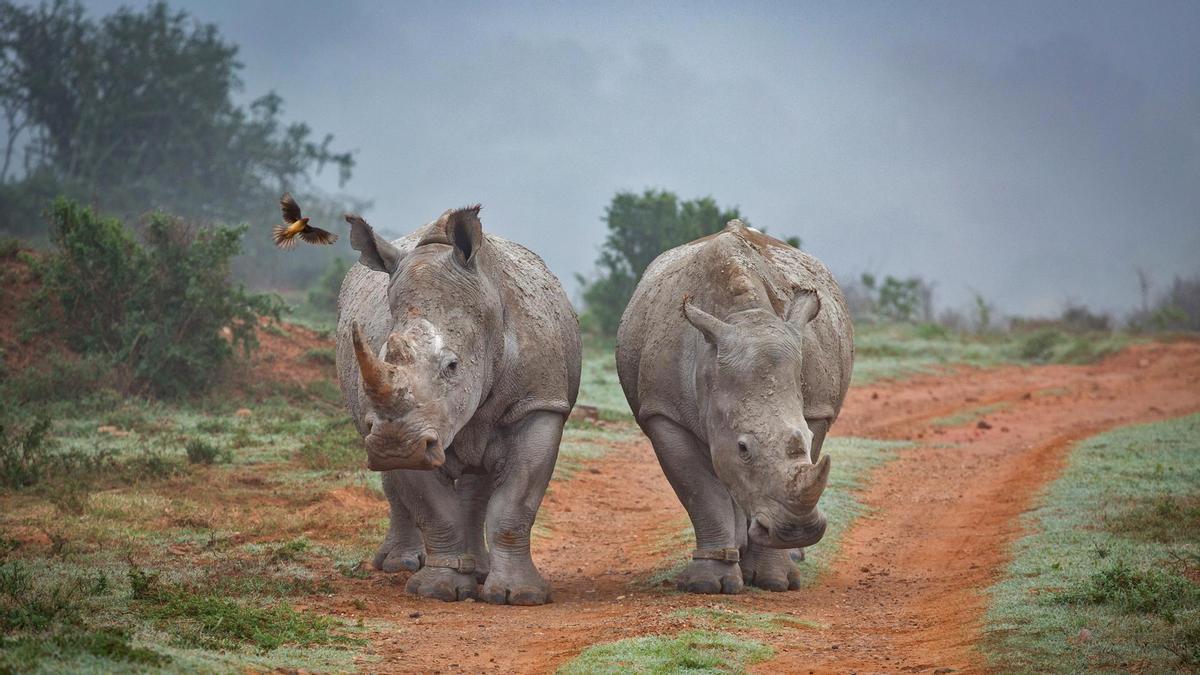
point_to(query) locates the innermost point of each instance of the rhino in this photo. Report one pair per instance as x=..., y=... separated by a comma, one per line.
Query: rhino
x=458, y=358
x=735, y=354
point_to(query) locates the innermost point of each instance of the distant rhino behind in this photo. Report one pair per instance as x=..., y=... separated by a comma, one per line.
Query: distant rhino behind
x=458, y=356
x=735, y=355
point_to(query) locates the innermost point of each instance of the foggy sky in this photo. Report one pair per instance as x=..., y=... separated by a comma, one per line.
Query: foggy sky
x=1035, y=152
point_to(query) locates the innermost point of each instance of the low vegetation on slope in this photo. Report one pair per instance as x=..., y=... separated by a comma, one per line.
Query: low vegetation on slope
x=1109, y=577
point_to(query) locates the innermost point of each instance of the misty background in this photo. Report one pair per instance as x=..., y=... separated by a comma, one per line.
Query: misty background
x=1034, y=152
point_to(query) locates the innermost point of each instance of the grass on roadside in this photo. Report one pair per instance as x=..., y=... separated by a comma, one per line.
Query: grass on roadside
x=686, y=652
x=902, y=350
x=1108, y=577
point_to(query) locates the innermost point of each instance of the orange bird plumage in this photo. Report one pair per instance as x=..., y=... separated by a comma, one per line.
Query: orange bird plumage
x=294, y=224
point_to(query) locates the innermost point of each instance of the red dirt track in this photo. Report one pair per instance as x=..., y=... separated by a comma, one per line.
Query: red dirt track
x=906, y=594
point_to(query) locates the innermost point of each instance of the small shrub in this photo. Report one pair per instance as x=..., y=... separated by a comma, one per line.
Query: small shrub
x=66, y=478
x=23, y=456
x=149, y=464
x=1152, y=591
x=25, y=605
x=200, y=451
x=1039, y=346
x=291, y=551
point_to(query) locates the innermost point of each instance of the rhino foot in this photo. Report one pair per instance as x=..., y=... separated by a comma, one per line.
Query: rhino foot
x=711, y=577
x=394, y=556
x=517, y=588
x=442, y=583
x=770, y=569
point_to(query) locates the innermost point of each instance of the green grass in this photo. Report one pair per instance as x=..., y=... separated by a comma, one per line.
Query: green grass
x=198, y=619
x=900, y=350
x=1112, y=551
x=599, y=386
x=687, y=652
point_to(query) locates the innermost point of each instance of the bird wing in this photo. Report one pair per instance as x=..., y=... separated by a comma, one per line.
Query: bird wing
x=282, y=238
x=291, y=210
x=315, y=235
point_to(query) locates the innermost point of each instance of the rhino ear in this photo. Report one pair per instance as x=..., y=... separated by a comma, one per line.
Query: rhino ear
x=804, y=308
x=465, y=233
x=375, y=252
x=712, y=328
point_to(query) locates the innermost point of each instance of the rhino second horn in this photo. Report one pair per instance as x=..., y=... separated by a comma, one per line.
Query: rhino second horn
x=376, y=375
x=810, y=483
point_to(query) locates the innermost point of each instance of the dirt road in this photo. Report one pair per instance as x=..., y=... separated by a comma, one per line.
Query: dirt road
x=906, y=592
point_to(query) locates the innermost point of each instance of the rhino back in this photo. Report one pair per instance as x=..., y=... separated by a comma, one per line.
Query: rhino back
x=542, y=355
x=657, y=348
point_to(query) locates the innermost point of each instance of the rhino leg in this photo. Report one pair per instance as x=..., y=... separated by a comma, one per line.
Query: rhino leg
x=402, y=548
x=530, y=449
x=474, y=491
x=688, y=467
x=446, y=575
x=770, y=568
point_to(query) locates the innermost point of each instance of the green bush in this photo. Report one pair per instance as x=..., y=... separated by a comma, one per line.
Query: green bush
x=60, y=379
x=1150, y=591
x=1039, y=346
x=165, y=310
x=200, y=451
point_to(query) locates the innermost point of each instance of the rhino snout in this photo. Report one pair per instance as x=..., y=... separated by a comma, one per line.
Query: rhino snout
x=389, y=448
x=773, y=533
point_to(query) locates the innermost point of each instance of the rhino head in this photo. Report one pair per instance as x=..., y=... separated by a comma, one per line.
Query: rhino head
x=749, y=383
x=428, y=377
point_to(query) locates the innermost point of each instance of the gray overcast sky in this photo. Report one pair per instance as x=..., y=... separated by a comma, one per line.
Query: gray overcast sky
x=1036, y=152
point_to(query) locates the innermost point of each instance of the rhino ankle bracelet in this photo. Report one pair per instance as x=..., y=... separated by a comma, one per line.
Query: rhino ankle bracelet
x=729, y=554
x=463, y=564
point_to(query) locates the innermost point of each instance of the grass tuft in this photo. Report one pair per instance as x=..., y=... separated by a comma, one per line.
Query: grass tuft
x=208, y=621
x=687, y=652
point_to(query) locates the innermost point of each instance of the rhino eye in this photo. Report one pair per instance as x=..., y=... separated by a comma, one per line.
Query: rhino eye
x=450, y=367
x=743, y=451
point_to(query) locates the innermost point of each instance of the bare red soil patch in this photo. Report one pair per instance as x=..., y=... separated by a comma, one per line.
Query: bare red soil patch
x=906, y=593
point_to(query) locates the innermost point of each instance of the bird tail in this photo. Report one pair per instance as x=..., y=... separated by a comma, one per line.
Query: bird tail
x=282, y=238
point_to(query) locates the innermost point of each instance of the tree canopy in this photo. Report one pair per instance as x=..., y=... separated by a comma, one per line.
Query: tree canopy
x=135, y=112
x=640, y=227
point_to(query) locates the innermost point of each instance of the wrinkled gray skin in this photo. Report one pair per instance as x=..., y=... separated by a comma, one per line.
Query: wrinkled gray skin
x=458, y=357
x=735, y=355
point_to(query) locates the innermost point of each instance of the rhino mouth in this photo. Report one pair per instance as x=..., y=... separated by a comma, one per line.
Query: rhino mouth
x=807, y=531
x=386, y=453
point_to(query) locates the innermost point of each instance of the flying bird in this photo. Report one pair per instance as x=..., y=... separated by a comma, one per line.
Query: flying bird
x=295, y=224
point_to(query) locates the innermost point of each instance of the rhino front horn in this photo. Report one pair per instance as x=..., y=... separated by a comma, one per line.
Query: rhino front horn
x=809, y=483
x=376, y=375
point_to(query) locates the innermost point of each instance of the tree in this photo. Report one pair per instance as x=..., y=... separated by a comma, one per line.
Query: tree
x=135, y=113
x=640, y=227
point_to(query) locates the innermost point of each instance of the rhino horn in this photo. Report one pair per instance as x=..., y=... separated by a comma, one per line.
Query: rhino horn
x=376, y=375
x=808, y=484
